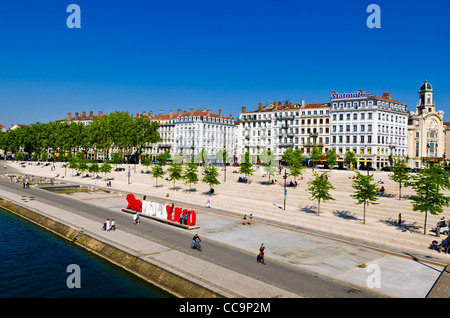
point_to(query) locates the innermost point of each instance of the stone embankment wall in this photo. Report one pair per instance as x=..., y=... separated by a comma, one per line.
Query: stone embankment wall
x=153, y=273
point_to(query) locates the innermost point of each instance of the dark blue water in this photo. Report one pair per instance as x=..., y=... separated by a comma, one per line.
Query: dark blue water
x=34, y=262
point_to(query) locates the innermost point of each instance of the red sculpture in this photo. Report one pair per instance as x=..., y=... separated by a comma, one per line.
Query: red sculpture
x=133, y=203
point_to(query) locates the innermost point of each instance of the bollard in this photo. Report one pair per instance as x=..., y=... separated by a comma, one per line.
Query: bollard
x=438, y=231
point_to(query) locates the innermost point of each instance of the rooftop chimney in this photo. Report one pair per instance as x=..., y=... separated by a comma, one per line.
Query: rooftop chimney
x=91, y=114
x=192, y=112
x=84, y=114
x=243, y=109
x=179, y=112
x=160, y=114
x=303, y=102
x=387, y=96
x=69, y=116
x=150, y=114
x=220, y=113
x=76, y=115
x=170, y=114
x=207, y=113
x=259, y=106
x=100, y=113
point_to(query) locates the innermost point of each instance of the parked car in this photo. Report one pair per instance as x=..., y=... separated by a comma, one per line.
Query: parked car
x=363, y=167
x=386, y=169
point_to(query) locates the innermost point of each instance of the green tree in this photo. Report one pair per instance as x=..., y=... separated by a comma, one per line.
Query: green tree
x=163, y=158
x=315, y=156
x=428, y=184
x=294, y=160
x=93, y=168
x=210, y=177
x=319, y=187
x=222, y=156
x=175, y=171
x=350, y=159
x=269, y=163
x=201, y=156
x=105, y=168
x=157, y=172
x=190, y=174
x=331, y=158
x=365, y=191
x=246, y=167
x=116, y=158
x=400, y=175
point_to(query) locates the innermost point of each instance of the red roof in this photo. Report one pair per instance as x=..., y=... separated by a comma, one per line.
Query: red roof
x=187, y=114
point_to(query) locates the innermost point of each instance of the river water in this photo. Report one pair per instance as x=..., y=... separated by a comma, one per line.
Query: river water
x=36, y=263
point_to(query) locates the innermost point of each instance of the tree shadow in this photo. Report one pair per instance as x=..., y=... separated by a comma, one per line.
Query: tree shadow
x=312, y=209
x=404, y=227
x=190, y=190
x=176, y=188
x=347, y=215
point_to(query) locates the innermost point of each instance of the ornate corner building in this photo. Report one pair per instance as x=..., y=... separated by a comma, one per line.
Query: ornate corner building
x=426, y=131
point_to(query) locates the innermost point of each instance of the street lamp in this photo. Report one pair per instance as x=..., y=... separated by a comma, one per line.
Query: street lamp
x=224, y=157
x=285, y=191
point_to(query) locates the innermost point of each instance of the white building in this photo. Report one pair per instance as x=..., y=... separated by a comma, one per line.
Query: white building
x=370, y=126
x=278, y=126
x=201, y=129
x=273, y=127
x=166, y=132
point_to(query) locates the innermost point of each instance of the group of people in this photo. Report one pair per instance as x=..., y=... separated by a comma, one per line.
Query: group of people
x=243, y=179
x=109, y=225
x=443, y=246
x=250, y=219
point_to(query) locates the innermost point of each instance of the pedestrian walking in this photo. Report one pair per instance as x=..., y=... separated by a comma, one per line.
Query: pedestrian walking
x=185, y=218
x=260, y=257
x=245, y=219
x=208, y=204
x=399, y=219
x=136, y=218
x=113, y=225
x=250, y=219
x=108, y=225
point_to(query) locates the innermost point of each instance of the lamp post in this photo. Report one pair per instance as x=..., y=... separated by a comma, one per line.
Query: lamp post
x=224, y=155
x=285, y=191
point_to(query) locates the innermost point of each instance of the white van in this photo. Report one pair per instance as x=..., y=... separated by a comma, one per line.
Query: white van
x=443, y=226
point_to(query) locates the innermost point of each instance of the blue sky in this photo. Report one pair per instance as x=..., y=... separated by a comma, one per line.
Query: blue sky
x=150, y=55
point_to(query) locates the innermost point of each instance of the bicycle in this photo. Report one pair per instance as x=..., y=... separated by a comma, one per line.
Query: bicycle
x=196, y=245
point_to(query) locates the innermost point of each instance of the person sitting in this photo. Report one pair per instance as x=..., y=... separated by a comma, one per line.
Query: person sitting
x=435, y=246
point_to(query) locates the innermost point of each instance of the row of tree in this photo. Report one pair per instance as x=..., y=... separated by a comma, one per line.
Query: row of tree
x=429, y=184
x=118, y=131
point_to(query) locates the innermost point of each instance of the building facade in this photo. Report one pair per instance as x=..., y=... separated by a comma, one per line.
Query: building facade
x=371, y=127
x=426, y=131
x=201, y=129
x=279, y=126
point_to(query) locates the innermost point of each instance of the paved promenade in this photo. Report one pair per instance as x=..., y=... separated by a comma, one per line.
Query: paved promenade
x=336, y=243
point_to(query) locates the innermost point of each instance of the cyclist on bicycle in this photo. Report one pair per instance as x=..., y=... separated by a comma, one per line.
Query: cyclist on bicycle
x=196, y=239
